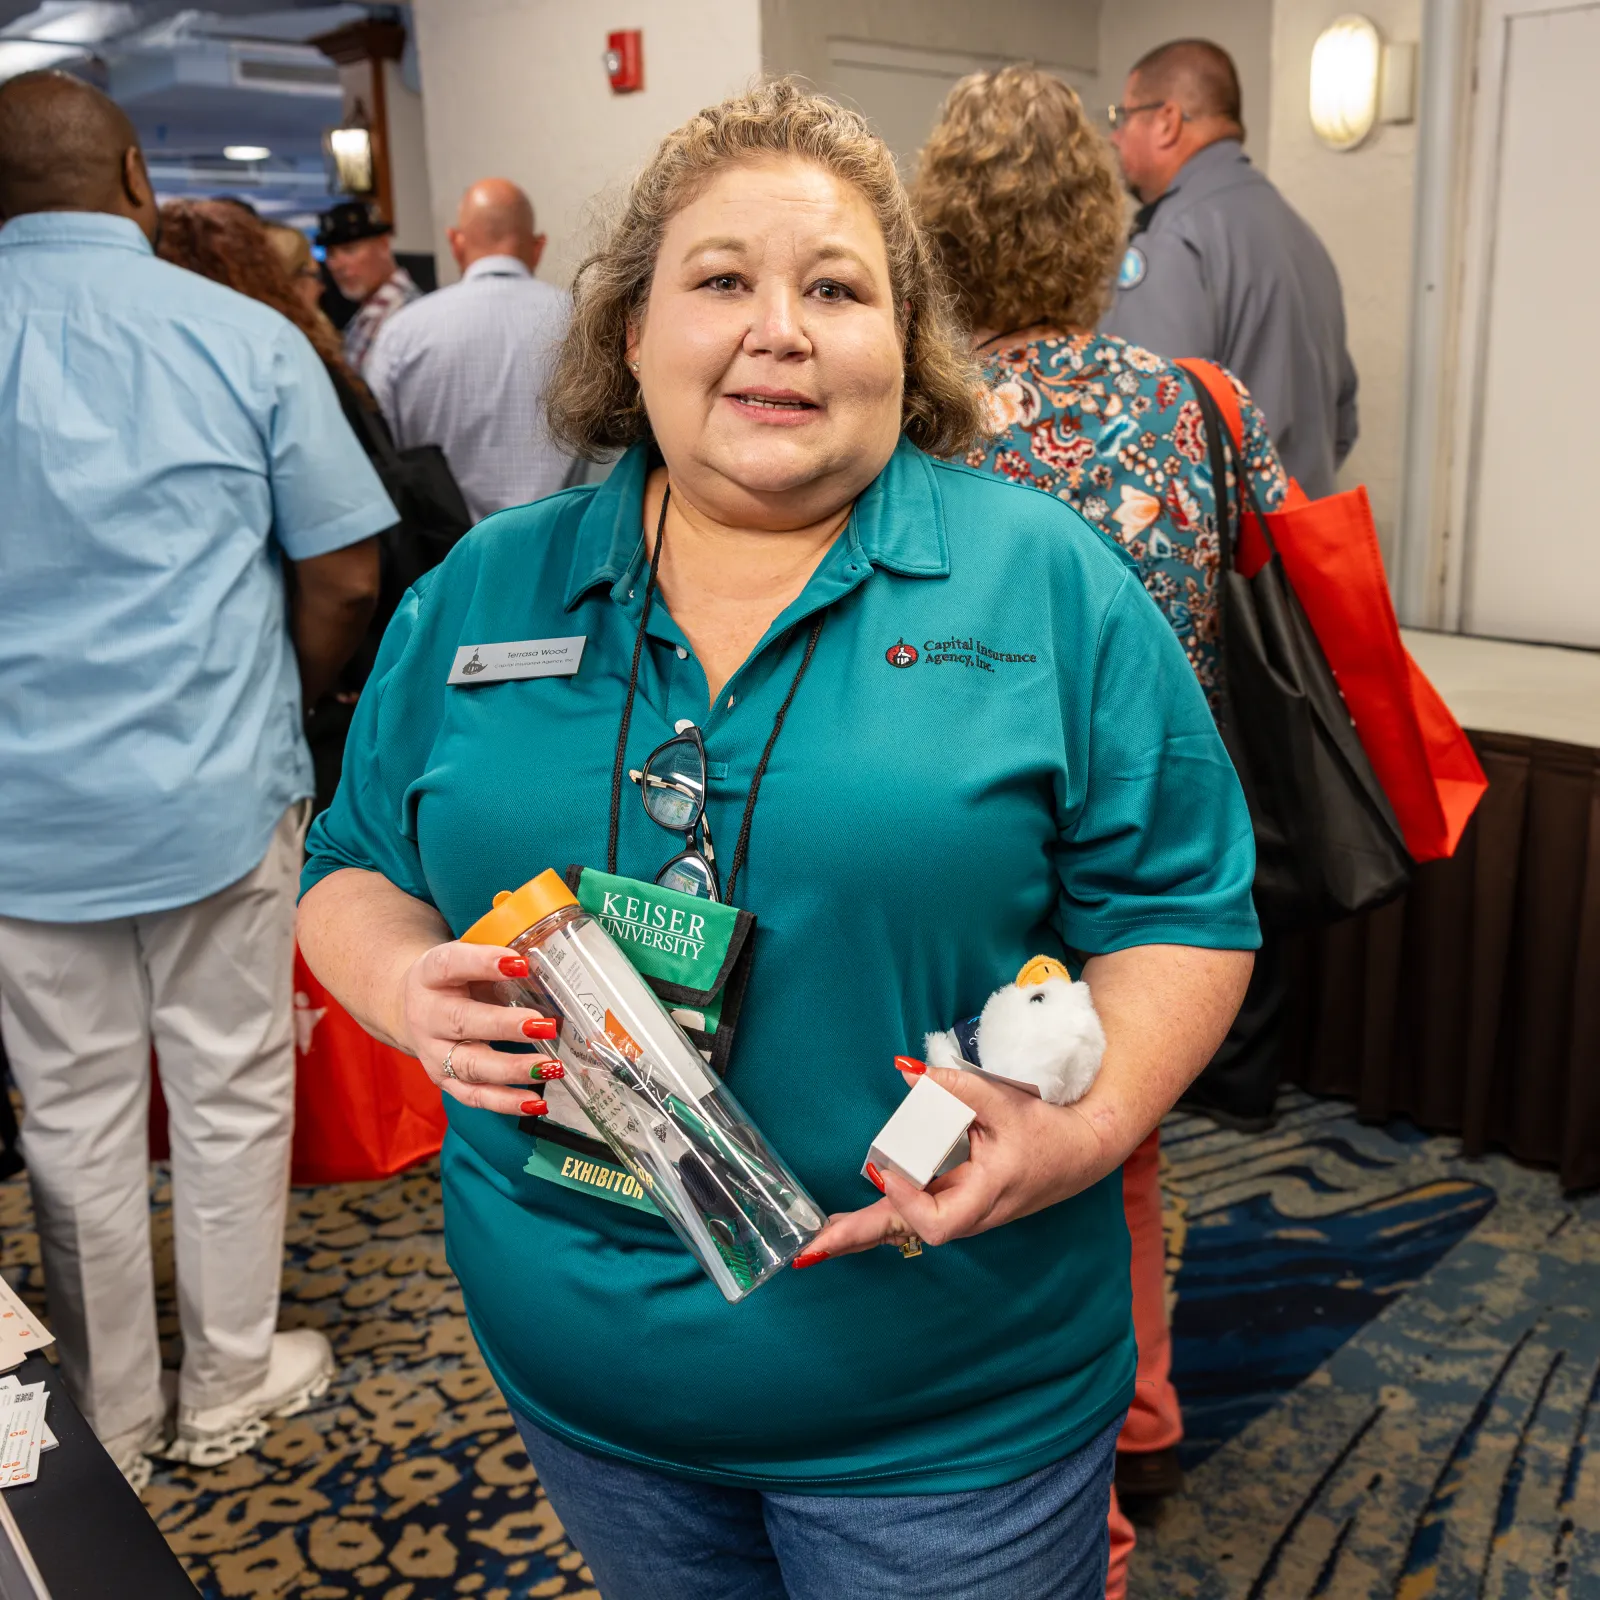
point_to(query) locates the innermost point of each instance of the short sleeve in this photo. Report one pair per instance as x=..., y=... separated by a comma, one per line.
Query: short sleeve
x=1168, y=310
x=371, y=824
x=325, y=494
x=1158, y=848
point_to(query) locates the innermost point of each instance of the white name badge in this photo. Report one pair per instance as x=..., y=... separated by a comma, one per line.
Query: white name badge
x=517, y=658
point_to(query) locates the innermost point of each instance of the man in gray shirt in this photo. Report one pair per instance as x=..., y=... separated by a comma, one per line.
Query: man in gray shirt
x=466, y=368
x=1221, y=267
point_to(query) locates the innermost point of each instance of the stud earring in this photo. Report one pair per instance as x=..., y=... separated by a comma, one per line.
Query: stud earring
x=634, y=365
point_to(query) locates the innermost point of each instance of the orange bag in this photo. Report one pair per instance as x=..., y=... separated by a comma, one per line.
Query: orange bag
x=1330, y=554
x=361, y=1109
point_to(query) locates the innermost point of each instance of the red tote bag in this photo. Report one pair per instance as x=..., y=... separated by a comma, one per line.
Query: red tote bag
x=361, y=1109
x=1330, y=553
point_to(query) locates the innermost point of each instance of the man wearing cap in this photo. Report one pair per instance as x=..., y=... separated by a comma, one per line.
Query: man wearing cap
x=360, y=257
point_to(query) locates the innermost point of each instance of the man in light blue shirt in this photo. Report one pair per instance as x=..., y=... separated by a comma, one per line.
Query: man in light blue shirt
x=466, y=367
x=169, y=450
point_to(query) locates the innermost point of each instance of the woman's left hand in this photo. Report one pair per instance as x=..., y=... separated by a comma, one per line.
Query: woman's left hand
x=1026, y=1155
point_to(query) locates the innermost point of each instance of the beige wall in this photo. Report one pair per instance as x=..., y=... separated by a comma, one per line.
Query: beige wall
x=515, y=88
x=896, y=60
x=1128, y=28
x=795, y=33
x=1360, y=203
x=408, y=166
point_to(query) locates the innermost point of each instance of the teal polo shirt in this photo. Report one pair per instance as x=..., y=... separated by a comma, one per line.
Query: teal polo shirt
x=998, y=751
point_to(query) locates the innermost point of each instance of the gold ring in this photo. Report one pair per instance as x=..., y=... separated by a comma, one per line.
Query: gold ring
x=908, y=1247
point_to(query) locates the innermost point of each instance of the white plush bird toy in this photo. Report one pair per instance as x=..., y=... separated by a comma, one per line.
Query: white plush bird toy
x=1040, y=1033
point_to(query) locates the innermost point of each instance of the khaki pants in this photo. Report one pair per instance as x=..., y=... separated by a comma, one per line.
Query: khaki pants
x=210, y=986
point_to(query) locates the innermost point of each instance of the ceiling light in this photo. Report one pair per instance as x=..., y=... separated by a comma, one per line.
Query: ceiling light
x=246, y=152
x=1345, y=63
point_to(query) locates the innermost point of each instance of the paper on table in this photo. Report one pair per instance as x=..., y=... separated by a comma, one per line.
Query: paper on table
x=21, y=1333
x=48, y=1439
x=21, y=1433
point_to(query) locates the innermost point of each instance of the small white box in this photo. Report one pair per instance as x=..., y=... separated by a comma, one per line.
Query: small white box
x=917, y=1140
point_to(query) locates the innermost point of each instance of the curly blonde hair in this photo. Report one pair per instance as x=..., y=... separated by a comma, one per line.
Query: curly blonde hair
x=594, y=403
x=1022, y=197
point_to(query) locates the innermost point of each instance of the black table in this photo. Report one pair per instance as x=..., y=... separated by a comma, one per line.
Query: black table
x=88, y=1531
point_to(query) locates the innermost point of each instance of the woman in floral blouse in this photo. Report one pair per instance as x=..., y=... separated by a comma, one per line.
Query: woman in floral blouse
x=1022, y=194
x=1023, y=197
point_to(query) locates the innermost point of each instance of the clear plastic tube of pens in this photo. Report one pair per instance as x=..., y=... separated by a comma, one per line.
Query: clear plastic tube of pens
x=666, y=1116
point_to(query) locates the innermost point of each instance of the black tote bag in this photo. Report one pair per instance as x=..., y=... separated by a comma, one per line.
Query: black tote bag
x=433, y=511
x=1327, y=843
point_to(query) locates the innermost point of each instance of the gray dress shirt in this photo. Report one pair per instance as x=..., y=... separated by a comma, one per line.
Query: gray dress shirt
x=466, y=369
x=1223, y=268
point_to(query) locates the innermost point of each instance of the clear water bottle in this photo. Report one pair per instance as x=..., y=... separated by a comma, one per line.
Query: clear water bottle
x=668, y=1118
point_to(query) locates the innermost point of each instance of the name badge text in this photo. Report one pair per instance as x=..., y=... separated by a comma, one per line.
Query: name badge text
x=517, y=658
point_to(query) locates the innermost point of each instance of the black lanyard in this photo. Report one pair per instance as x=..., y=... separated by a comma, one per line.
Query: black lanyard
x=743, y=846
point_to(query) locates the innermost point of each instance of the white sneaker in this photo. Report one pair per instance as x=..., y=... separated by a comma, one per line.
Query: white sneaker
x=300, y=1371
x=131, y=1451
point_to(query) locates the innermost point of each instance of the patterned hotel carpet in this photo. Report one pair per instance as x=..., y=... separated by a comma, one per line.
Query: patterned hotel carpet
x=1390, y=1359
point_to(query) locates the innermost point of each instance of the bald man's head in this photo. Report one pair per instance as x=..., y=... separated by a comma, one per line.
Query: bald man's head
x=65, y=147
x=1197, y=75
x=1178, y=99
x=495, y=219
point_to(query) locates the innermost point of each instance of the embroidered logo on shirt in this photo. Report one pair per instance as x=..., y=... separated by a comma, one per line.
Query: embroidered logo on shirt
x=1131, y=273
x=958, y=652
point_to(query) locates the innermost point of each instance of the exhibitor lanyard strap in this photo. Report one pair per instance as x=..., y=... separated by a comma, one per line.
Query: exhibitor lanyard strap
x=620, y=764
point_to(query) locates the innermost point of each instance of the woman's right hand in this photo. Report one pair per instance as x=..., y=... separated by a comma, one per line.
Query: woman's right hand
x=445, y=1017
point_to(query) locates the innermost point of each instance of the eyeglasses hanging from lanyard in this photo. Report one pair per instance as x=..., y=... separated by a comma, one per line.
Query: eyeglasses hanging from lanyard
x=673, y=780
x=674, y=776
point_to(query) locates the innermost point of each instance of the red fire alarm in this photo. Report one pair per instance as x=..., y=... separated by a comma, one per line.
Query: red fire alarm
x=624, y=59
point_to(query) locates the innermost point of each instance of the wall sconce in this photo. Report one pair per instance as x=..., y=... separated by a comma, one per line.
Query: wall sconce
x=1345, y=65
x=349, y=153
x=1358, y=81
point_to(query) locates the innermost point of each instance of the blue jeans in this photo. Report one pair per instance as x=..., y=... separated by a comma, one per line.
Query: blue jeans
x=647, y=1536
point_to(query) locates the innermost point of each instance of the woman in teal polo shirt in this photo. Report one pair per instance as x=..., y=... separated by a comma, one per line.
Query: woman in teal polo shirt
x=992, y=747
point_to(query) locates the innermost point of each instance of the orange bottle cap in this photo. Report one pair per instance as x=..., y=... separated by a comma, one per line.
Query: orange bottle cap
x=516, y=910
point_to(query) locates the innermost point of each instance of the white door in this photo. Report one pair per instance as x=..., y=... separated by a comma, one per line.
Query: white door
x=1528, y=451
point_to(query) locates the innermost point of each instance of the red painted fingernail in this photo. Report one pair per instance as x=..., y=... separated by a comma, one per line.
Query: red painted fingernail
x=551, y=1069
x=540, y=1027
x=910, y=1064
x=513, y=966
x=534, y=1108
x=876, y=1178
x=809, y=1258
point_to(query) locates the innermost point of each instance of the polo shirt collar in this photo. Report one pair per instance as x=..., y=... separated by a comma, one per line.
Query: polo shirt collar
x=897, y=525
x=95, y=228
x=1212, y=160
x=496, y=267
